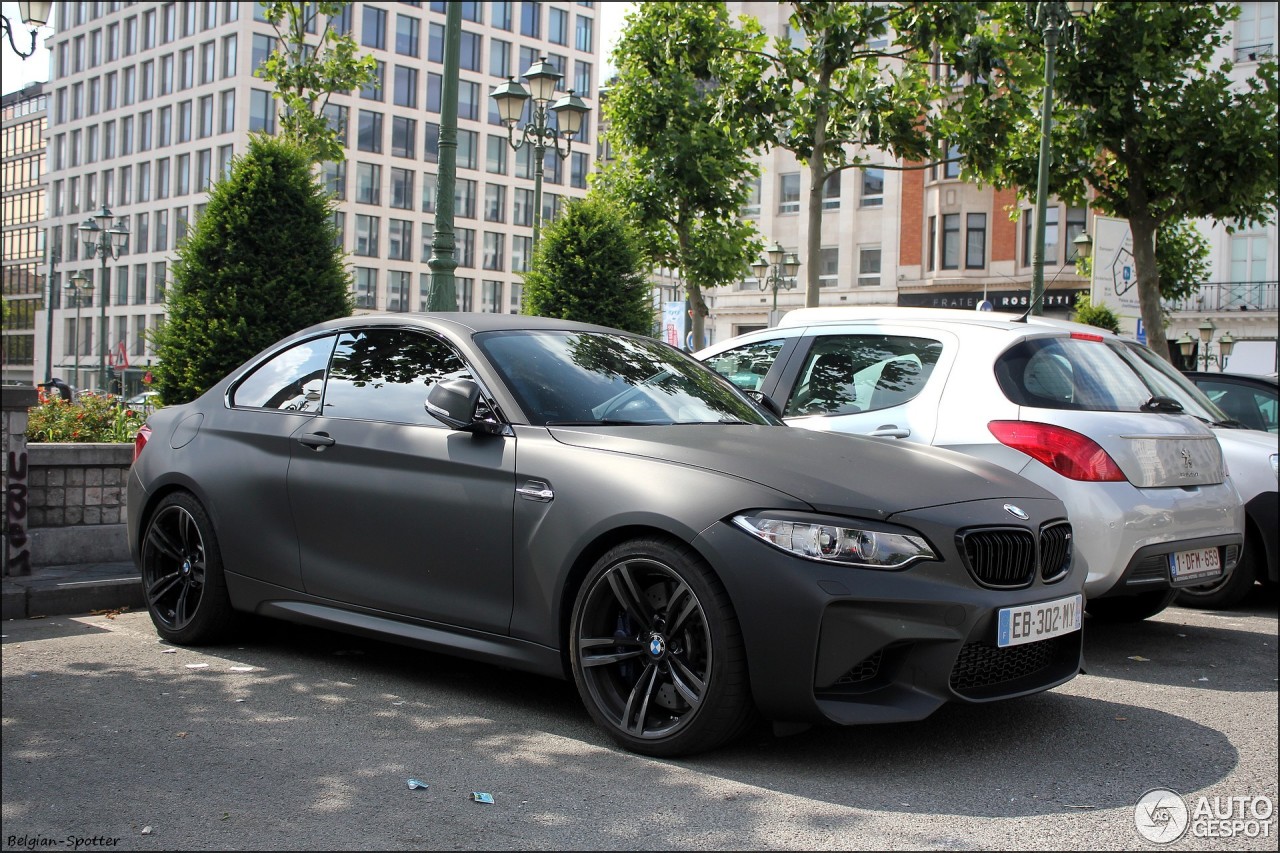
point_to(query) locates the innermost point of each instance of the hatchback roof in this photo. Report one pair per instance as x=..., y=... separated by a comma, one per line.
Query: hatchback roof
x=862, y=313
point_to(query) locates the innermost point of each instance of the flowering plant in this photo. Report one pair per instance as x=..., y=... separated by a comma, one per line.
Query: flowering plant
x=92, y=417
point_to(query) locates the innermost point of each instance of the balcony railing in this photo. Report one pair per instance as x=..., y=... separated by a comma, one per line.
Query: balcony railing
x=1214, y=296
x=1253, y=52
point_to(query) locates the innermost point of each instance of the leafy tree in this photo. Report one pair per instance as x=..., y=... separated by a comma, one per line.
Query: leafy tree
x=1146, y=125
x=1095, y=315
x=306, y=72
x=261, y=262
x=1182, y=258
x=836, y=100
x=681, y=177
x=589, y=266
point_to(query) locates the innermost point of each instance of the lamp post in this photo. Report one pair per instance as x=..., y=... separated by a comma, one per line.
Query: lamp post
x=1207, y=356
x=34, y=15
x=51, y=291
x=78, y=284
x=106, y=243
x=569, y=111
x=1051, y=16
x=779, y=272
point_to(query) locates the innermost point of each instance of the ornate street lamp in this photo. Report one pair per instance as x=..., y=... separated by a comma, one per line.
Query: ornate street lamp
x=1051, y=16
x=1207, y=356
x=779, y=272
x=34, y=15
x=79, y=284
x=569, y=112
x=105, y=243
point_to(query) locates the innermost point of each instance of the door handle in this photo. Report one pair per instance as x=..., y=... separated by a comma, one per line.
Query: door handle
x=890, y=431
x=317, y=440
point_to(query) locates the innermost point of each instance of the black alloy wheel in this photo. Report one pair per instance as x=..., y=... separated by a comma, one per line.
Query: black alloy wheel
x=182, y=574
x=656, y=650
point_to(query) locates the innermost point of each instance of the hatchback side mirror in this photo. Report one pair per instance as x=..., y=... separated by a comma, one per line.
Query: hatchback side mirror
x=454, y=402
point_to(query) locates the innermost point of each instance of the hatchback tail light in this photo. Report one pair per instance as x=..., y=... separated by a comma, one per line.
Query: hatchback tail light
x=1065, y=451
x=140, y=441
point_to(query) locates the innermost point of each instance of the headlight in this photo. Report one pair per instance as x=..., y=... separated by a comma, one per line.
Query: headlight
x=831, y=543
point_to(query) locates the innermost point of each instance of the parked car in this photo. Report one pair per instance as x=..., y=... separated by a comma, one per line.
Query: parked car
x=1252, y=459
x=145, y=401
x=585, y=503
x=1066, y=406
x=1251, y=400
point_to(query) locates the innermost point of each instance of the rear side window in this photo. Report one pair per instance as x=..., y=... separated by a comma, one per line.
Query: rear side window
x=1070, y=373
x=746, y=366
x=845, y=374
x=291, y=380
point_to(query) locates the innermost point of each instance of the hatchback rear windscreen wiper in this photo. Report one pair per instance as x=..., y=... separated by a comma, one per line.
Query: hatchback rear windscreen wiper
x=1160, y=403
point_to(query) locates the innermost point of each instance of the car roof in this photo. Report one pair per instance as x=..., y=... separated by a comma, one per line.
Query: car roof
x=462, y=321
x=891, y=313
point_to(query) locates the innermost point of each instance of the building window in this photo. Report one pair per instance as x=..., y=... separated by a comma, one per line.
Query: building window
x=335, y=179
x=262, y=112
x=500, y=58
x=523, y=212
x=531, y=19
x=501, y=15
x=494, y=251
x=406, y=35
x=950, y=241
x=975, y=246
x=789, y=193
x=401, y=188
x=466, y=247
x=373, y=28
x=374, y=89
x=398, y=290
x=1075, y=227
x=468, y=157
x=469, y=51
x=428, y=193
x=400, y=240
x=868, y=266
x=366, y=287
x=464, y=199
x=495, y=203
x=366, y=235
x=578, y=170
x=521, y=252
x=829, y=267
x=872, y=192
x=496, y=148
x=1255, y=31
x=491, y=296
x=405, y=87
x=403, y=143
x=228, y=121
x=951, y=168
x=368, y=183
x=582, y=37
x=831, y=191
x=369, y=132
x=558, y=26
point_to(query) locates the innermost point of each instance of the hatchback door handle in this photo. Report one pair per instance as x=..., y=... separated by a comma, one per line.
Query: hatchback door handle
x=317, y=440
x=891, y=431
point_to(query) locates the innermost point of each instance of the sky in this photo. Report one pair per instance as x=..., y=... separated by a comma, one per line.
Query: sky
x=18, y=72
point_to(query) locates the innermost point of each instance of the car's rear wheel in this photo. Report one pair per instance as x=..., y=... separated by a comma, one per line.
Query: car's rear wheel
x=1131, y=608
x=182, y=575
x=1231, y=590
x=657, y=653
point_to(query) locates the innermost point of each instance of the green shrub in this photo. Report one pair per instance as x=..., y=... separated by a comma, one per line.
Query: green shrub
x=91, y=418
x=1095, y=315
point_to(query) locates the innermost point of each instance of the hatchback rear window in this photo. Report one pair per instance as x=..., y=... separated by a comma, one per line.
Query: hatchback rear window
x=1071, y=373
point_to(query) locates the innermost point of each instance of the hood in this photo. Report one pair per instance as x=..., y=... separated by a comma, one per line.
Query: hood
x=830, y=472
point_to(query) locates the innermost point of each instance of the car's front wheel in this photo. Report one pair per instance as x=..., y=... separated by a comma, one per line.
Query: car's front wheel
x=182, y=576
x=657, y=653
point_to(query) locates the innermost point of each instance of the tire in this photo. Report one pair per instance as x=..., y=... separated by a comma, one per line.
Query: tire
x=1131, y=608
x=182, y=576
x=657, y=652
x=1230, y=591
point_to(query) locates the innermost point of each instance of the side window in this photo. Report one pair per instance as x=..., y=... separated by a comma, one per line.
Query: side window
x=746, y=366
x=289, y=381
x=846, y=374
x=385, y=374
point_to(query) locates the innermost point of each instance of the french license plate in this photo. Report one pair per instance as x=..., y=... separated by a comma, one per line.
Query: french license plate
x=1196, y=566
x=1032, y=622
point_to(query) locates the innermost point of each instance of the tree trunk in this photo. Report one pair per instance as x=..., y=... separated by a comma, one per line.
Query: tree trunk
x=818, y=173
x=1143, y=228
x=693, y=292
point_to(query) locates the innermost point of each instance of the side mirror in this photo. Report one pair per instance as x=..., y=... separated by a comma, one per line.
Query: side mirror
x=765, y=402
x=454, y=402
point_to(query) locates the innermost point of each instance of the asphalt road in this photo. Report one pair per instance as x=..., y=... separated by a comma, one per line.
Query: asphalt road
x=304, y=739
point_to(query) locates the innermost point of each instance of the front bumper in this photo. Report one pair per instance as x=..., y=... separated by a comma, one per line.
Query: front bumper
x=853, y=646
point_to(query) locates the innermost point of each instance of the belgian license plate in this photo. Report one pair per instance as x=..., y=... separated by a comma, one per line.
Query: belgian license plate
x=1032, y=622
x=1194, y=567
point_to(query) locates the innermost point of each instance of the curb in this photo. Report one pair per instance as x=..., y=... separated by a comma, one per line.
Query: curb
x=72, y=590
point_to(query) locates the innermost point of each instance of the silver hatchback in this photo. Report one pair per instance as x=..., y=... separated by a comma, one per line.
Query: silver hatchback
x=1148, y=493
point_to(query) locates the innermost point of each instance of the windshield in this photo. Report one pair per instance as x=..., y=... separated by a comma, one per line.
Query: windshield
x=580, y=378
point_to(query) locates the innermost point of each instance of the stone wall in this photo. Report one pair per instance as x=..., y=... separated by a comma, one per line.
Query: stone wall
x=77, y=502
x=14, y=478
